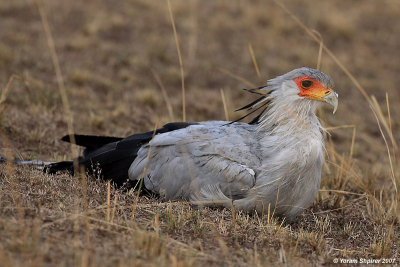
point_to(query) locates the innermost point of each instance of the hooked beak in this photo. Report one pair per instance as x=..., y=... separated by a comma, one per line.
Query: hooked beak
x=332, y=99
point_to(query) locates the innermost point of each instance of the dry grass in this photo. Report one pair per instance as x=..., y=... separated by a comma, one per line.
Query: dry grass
x=122, y=74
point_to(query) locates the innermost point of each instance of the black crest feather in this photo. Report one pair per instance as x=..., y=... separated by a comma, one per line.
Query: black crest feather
x=260, y=103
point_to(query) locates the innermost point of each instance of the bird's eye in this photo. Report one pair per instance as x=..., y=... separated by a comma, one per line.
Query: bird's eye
x=306, y=84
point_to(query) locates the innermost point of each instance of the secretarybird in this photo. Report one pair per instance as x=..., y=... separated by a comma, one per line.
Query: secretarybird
x=274, y=162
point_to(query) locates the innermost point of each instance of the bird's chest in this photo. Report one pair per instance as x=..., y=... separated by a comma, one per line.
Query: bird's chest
x=293, y=173
x=307, y=153
x=298, y=161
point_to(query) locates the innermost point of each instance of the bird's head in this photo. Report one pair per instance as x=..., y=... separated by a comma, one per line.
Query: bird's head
x=298, y=91
x=304, y=83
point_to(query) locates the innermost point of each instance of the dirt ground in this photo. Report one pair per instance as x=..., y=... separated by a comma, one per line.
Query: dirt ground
x=117, y=57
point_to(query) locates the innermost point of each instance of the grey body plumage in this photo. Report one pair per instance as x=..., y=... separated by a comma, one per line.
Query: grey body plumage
x=273, y=164
x=213, y=163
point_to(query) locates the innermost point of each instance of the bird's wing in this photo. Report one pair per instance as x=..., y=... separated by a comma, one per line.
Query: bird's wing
x=110, y=157
x=201, y=162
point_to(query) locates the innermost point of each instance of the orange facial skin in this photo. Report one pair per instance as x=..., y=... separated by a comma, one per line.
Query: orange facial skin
x=311, y=88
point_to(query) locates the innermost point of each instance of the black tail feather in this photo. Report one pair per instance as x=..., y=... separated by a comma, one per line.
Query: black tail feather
x=110, y=157
x=59, y=166
x=91, y=142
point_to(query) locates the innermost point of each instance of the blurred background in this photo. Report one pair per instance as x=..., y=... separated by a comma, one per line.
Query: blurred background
x=115, y=54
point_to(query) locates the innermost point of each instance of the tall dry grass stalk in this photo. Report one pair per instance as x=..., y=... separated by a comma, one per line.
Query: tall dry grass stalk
x=224, y=104
x=165, y=95
x=171, y=15
x=253, y=58
x=13, y=179
x=393, y=176
x=60, y=80
x=68, y=116
x=193, y=38
x=108, y=203
x=114, y=208
x=321, y=45
x=67, y=111
x=142, y=177
x=6, y=89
